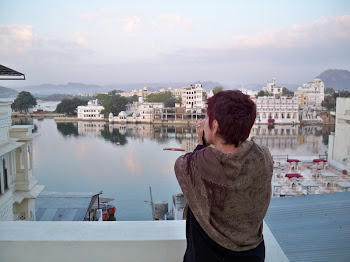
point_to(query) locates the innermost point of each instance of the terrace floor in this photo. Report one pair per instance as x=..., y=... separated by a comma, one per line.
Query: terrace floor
x=312, y=174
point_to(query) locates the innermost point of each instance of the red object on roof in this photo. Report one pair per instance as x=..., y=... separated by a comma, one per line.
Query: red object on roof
x=319, y=160
x=293, y=175
x=39, y=111
x=292, y=160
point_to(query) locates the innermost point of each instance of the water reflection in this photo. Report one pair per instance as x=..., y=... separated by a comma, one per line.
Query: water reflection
x=124, y=160
x=114, y=136
x=24, y=121
x=118, y=134
x=303, y=139
x=68, y=129
x=312, y=139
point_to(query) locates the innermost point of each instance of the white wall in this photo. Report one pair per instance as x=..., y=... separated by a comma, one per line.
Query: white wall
x=133, y=241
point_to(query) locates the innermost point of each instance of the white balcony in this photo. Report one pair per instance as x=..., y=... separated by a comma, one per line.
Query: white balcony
x=103, y=241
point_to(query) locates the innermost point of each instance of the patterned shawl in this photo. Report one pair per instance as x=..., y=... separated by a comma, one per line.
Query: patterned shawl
x=229, y=194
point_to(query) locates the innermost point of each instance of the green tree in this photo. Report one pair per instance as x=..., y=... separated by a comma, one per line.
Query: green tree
x=69, y=106
x=178, y=100
x=113, y=103
x=103, y=99
x=287, y=92
x=329, y=91
x=331, y=98
x=133, y=98
x=329, y=103
x=343, y=93
x=205, y=95
x=217, y=89
x=114, y=92
x=117, y=104
x=262, y=93
x=166, y=97
x=23, y=102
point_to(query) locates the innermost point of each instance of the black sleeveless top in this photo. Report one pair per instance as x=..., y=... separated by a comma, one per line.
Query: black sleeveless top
x=201, y=248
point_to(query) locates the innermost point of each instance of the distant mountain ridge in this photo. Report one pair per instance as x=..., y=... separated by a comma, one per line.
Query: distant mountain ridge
x=7, y=92
x=336, y=78
x=69, y=88
x=75, y=88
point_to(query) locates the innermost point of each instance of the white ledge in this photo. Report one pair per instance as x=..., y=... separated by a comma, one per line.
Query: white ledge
x=108, y=241
x=92, y=231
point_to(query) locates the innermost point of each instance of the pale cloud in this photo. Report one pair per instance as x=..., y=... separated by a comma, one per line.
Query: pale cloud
x=131, y=24
x=324, y=30
x=297, y=53
x=172, y=21
x=16, y=38
x=21, y=43
x=94, y=15
x=80, y=39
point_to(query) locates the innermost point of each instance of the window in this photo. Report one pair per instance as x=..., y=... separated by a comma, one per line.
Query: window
x=4, y=169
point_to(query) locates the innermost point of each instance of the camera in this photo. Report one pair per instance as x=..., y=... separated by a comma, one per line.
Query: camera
x=203, y=139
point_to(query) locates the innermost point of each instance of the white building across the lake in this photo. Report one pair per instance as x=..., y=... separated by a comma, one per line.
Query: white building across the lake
x=272, y=88
x=139, y=112
x=92, y=111
x=18, y=186
x=311, y=94
x=284, y=110
x=193, y=99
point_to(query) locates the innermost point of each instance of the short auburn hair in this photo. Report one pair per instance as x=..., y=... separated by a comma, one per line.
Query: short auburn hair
x=235, y=113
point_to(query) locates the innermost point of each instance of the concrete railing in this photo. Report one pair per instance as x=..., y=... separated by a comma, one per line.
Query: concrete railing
x=103, y=241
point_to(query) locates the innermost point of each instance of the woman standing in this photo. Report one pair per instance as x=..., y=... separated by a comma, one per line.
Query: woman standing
x=227, y=186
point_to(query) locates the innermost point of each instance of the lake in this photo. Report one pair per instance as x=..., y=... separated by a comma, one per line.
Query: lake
x=124, y=160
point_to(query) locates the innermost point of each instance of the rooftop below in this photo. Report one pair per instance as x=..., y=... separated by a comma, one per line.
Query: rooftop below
x=299, y=228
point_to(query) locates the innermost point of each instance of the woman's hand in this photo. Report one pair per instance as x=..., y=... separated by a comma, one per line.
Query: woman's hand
x=200, y=128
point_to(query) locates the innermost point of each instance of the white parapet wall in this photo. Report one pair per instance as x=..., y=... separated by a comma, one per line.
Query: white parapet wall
x=103, y=241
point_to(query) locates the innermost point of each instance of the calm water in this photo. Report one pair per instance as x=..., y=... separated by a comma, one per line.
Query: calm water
x=124, y=160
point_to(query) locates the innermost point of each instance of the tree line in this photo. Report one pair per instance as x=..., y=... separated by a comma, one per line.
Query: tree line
x=114, y=103
x=331, y=97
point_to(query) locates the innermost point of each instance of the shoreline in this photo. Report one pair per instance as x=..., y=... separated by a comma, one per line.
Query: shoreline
x=63, y=118
x=32, y=115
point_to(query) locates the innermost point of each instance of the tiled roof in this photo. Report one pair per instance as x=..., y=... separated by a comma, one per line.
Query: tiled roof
x=312, y=227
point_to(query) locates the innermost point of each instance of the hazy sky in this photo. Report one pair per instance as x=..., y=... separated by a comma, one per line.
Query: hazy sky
x=106, y=42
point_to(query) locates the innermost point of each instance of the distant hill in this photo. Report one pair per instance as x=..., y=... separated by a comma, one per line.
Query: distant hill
x=75, y=88
x=336, y=78
x=7, y=92
x=157, y=86
x=70, y=89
